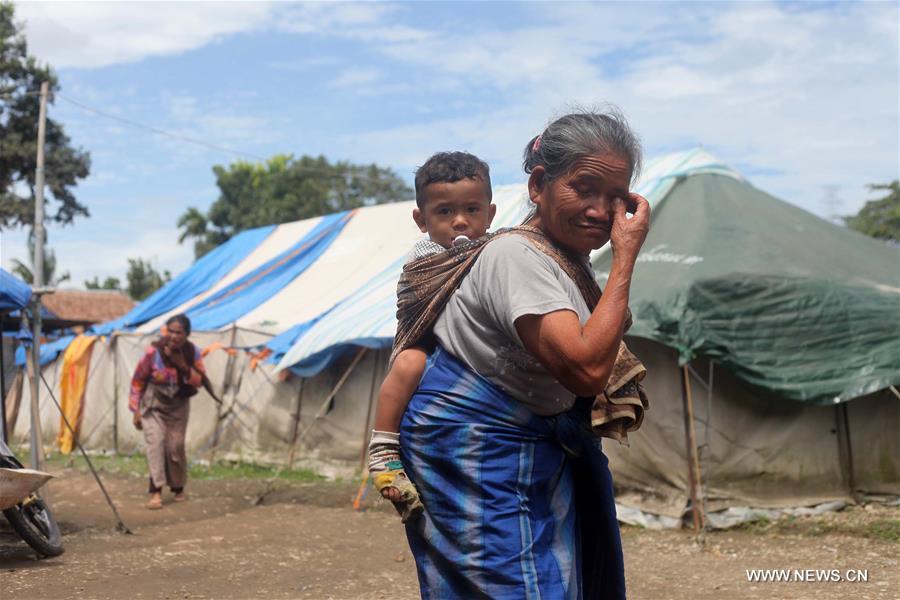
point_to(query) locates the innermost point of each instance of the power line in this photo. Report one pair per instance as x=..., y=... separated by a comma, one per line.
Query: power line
x=183, y=138
x=157, y=130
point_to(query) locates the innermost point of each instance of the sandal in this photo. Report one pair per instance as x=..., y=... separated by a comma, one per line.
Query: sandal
x=155, y=502
x=410, y=504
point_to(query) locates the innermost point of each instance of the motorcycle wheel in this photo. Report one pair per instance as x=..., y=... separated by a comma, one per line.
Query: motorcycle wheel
x=35, y=524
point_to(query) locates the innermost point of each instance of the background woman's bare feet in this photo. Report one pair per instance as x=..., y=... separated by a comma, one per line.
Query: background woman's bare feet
x=155, y=501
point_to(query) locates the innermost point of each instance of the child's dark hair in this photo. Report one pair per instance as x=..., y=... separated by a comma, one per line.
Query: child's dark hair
x=449, y=167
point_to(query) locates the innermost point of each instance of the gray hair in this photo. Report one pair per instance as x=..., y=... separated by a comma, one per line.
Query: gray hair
x=585, y=133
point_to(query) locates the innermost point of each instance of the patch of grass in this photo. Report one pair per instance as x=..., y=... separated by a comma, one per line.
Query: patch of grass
x=136, y=464
x=884, y=529
x=120, y=464
x=760, y=525
x=242, y=470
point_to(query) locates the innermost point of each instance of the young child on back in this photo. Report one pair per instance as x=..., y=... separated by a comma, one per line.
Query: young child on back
x=453, y=199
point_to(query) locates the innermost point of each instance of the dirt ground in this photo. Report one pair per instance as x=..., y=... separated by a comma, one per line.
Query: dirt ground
x=306, y=541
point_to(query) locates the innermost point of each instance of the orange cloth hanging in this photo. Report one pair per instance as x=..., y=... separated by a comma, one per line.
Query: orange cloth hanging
x=76, y=363
x=258, y=357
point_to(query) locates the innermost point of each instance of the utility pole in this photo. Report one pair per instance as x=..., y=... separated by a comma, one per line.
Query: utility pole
x=37, y=443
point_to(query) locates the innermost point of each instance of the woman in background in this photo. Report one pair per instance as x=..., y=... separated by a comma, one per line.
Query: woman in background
x=169, y=373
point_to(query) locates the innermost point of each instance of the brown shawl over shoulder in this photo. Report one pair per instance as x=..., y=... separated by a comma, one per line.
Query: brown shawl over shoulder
x=427, y=284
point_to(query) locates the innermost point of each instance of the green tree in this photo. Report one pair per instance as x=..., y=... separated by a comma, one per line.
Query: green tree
x=880, y=218
x=110, y=283
x=286, y=189
x=64, y=166
x=143, y=279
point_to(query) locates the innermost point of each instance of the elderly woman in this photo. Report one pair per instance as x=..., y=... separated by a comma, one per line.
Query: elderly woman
x=498, y=437
x=169, y=373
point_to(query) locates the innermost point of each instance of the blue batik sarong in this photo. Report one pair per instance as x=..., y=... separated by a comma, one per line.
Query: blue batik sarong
x=500, y=518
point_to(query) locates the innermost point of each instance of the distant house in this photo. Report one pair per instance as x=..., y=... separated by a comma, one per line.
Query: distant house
x=74, y=308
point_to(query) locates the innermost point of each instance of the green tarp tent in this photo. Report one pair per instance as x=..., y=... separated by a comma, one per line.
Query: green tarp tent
x=787, y=301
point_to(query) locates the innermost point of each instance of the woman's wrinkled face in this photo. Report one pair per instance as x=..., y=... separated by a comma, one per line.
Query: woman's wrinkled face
x=575, y=209
x=176, y=334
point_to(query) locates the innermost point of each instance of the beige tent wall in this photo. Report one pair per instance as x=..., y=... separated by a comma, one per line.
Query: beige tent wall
x=756, y=450
x=330, y=436
x=874, y=423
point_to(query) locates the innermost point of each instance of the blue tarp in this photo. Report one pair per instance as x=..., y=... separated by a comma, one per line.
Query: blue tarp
x=202, y=275
x=14, y=293
x=283, y=342
x=261, y=284
x=315, y=364
x=49, y=350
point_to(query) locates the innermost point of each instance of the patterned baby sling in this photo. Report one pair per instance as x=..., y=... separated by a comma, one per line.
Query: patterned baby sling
x=427, y=284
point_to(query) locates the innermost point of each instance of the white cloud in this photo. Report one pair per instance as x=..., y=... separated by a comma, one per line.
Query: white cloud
x=98, y=34
x=807, y=95
x=366, y=21
x=357, y=76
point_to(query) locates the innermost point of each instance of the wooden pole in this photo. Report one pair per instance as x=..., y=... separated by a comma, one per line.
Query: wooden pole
x=845, y=449
x=2, y=385
x=690, y=437
x=296, y=429
x=226, y=389
x=34, y=369
x=14, y=401
x=37, y=443
x=322, y=409
x=114, y=348
x=319, y=413
x=366, y=425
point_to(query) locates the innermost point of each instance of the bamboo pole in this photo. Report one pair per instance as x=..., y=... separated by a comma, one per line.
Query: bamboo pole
x=693, y=458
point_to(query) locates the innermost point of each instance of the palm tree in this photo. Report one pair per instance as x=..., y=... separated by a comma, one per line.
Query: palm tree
x=26, y=271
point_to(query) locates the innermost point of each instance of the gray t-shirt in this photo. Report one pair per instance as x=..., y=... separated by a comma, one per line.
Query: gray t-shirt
x=510, y=279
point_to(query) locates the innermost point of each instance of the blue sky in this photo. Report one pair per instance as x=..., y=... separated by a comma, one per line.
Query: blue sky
x=801, y=97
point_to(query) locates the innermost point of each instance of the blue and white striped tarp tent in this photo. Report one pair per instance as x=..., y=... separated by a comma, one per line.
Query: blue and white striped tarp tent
x=312, y=288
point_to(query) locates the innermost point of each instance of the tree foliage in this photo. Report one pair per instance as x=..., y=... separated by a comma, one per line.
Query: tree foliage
x=143, y=279
x=286, y=189
x=64, y=165
x=110, y=283
x=880, y=218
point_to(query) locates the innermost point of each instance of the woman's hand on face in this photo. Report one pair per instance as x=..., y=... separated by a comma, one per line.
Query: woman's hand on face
x=136, y=420
x=628, y=235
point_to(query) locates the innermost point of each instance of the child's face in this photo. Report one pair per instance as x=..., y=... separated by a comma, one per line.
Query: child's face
x=454, y=209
